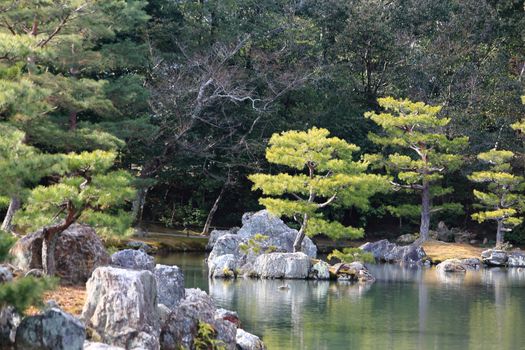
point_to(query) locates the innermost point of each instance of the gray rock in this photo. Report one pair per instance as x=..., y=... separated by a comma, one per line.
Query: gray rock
x=52, y=330
x=224, y=266
x=164, y=313
x=385, y=251
x=451, y=265
x=228, y=315
x=139, y=245
x=248, y=341
x=170, y=285
x=353, y=272
x=121, y=306
x=407, y=238
x=216, y=234
x=100, y=346
x=471, y=263
x=494, y=257
x=9, y=321
x=5, y=275
x=516, y=259
x=226, y=244
x=182, y=325
x=132, y=259
x=319, y=271
x=78, y=252
x=282, y=265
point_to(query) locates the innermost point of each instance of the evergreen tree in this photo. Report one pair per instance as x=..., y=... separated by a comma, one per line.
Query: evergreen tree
x=324, y=173
x=502, y=199
x=427, y=153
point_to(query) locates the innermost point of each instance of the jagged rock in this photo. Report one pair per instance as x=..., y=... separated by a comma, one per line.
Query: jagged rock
x=164, y=312
x=100, y=346
x=226, y=244
x=385, y=251
x=320, y=270
x=407, y=238
x=516, y=259
x=494, y=257
x=353, y=272
x=78, y=252
x=133, y=259
x=5, y=274
x=170, y=285
x=471, y=263
x=282, y=265
x=451, y=265
x=216, y=234
x=182, y=325
x=228, y=315
x=248, y=341
x=52, y=330
x=139, y=245
x=121, y=306
x=9, y=321
x=224, y=266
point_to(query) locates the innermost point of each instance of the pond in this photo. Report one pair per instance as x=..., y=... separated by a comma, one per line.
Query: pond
x=406, y=308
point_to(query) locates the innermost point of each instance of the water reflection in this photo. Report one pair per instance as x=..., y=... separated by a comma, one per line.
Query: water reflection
x=407, y=308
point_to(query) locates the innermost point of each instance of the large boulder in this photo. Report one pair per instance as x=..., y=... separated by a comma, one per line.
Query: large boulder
x=52, y=330
x=216, y=234
x=451, y=265
x=121, y=307
x=248, y=341
x=320, y=270
x=78, y=252
x=133, y=259
x=385, y=251
x=183, y=323
x=170, y=285
x=494, y=257
x=9, y=321
x=516, y=259
x=282, y=265
x=224, y=266
x=353, y=272
x=228, y=315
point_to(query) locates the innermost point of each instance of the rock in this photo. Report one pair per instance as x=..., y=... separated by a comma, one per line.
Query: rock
x=100, y=346
x=224, y=266
x=132, y=259
x=183, y=323
x=216, y=234
x=494, y=257
x=471, y=263
x=282, y=265
x=139, y=245
x=121, y=306
x=516, y=259
x=170, y=285
x=228, y=315
x=248, y=341
x=9, y=321
x=52, y=330
x=407, y=238
x=226, y=244
x=451, y=265
x=164, y=312
x=320, y=270
x=353, y=272
x=5, y=275
x=79, y=251
x=385, y=251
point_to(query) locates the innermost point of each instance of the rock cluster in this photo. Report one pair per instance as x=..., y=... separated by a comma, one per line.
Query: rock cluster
x=443, y=233
x=496, y=257
x=385, y=251
x=459, y=265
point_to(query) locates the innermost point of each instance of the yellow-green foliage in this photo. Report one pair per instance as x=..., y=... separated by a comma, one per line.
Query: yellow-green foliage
x=349, y=255
x=502, y=196
x=206, y=338
x=255, y=243
x=324, y=172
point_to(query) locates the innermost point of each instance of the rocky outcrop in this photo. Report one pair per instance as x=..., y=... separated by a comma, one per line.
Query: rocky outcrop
x=78, y=252
x=320, y=270
x=182, y=325
x=408, y=238
x=9, y=321
x=121, y=307
x=133, y=259
x=451, y=265
x=279, y=238
x=248, y=341
x=52, y=330
x=216, y=234
x=443, y=233
x=170, y=285
x=353, y=272
x=384, y=251
x=282, y=265
x=100, y=346
x=516, y=259
x=228, y=315
x=139, y=245
x=494, y=257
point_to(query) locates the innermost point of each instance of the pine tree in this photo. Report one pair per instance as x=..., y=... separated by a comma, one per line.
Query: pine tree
x=502, y=199
x=427, y=153
x=85, y=190
x=324, y=173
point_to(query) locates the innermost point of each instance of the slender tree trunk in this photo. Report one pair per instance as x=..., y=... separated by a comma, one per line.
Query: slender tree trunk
x=72, y=121
x=48, y=252
x=138, y=205
x=14, y=205
x=425, y=212
x=212, y=212
x=297, y=244
x=499, y=234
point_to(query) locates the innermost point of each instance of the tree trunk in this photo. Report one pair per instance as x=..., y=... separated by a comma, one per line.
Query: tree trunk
x=425, y=212
x=499, y=234
x=14, y=205
x=49, y=243
x=211, y=214
x=72, y=121
x=138, y=205
x=297, y=244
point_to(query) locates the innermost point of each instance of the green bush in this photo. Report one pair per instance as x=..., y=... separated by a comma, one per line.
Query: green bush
x=349, y=255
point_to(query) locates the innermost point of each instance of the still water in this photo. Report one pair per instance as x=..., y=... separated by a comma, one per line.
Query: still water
x=404, y=309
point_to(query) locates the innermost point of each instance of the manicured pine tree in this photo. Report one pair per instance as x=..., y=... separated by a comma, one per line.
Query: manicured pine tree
x=502, y=198
x=323, y=173
x=425, y=152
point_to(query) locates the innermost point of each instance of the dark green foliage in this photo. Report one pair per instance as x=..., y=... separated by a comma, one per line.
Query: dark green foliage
x=349, y=255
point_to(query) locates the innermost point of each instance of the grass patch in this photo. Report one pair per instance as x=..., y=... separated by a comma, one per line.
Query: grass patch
x=439, y=251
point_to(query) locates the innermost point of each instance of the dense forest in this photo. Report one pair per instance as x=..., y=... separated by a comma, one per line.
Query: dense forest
x=118, y=112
